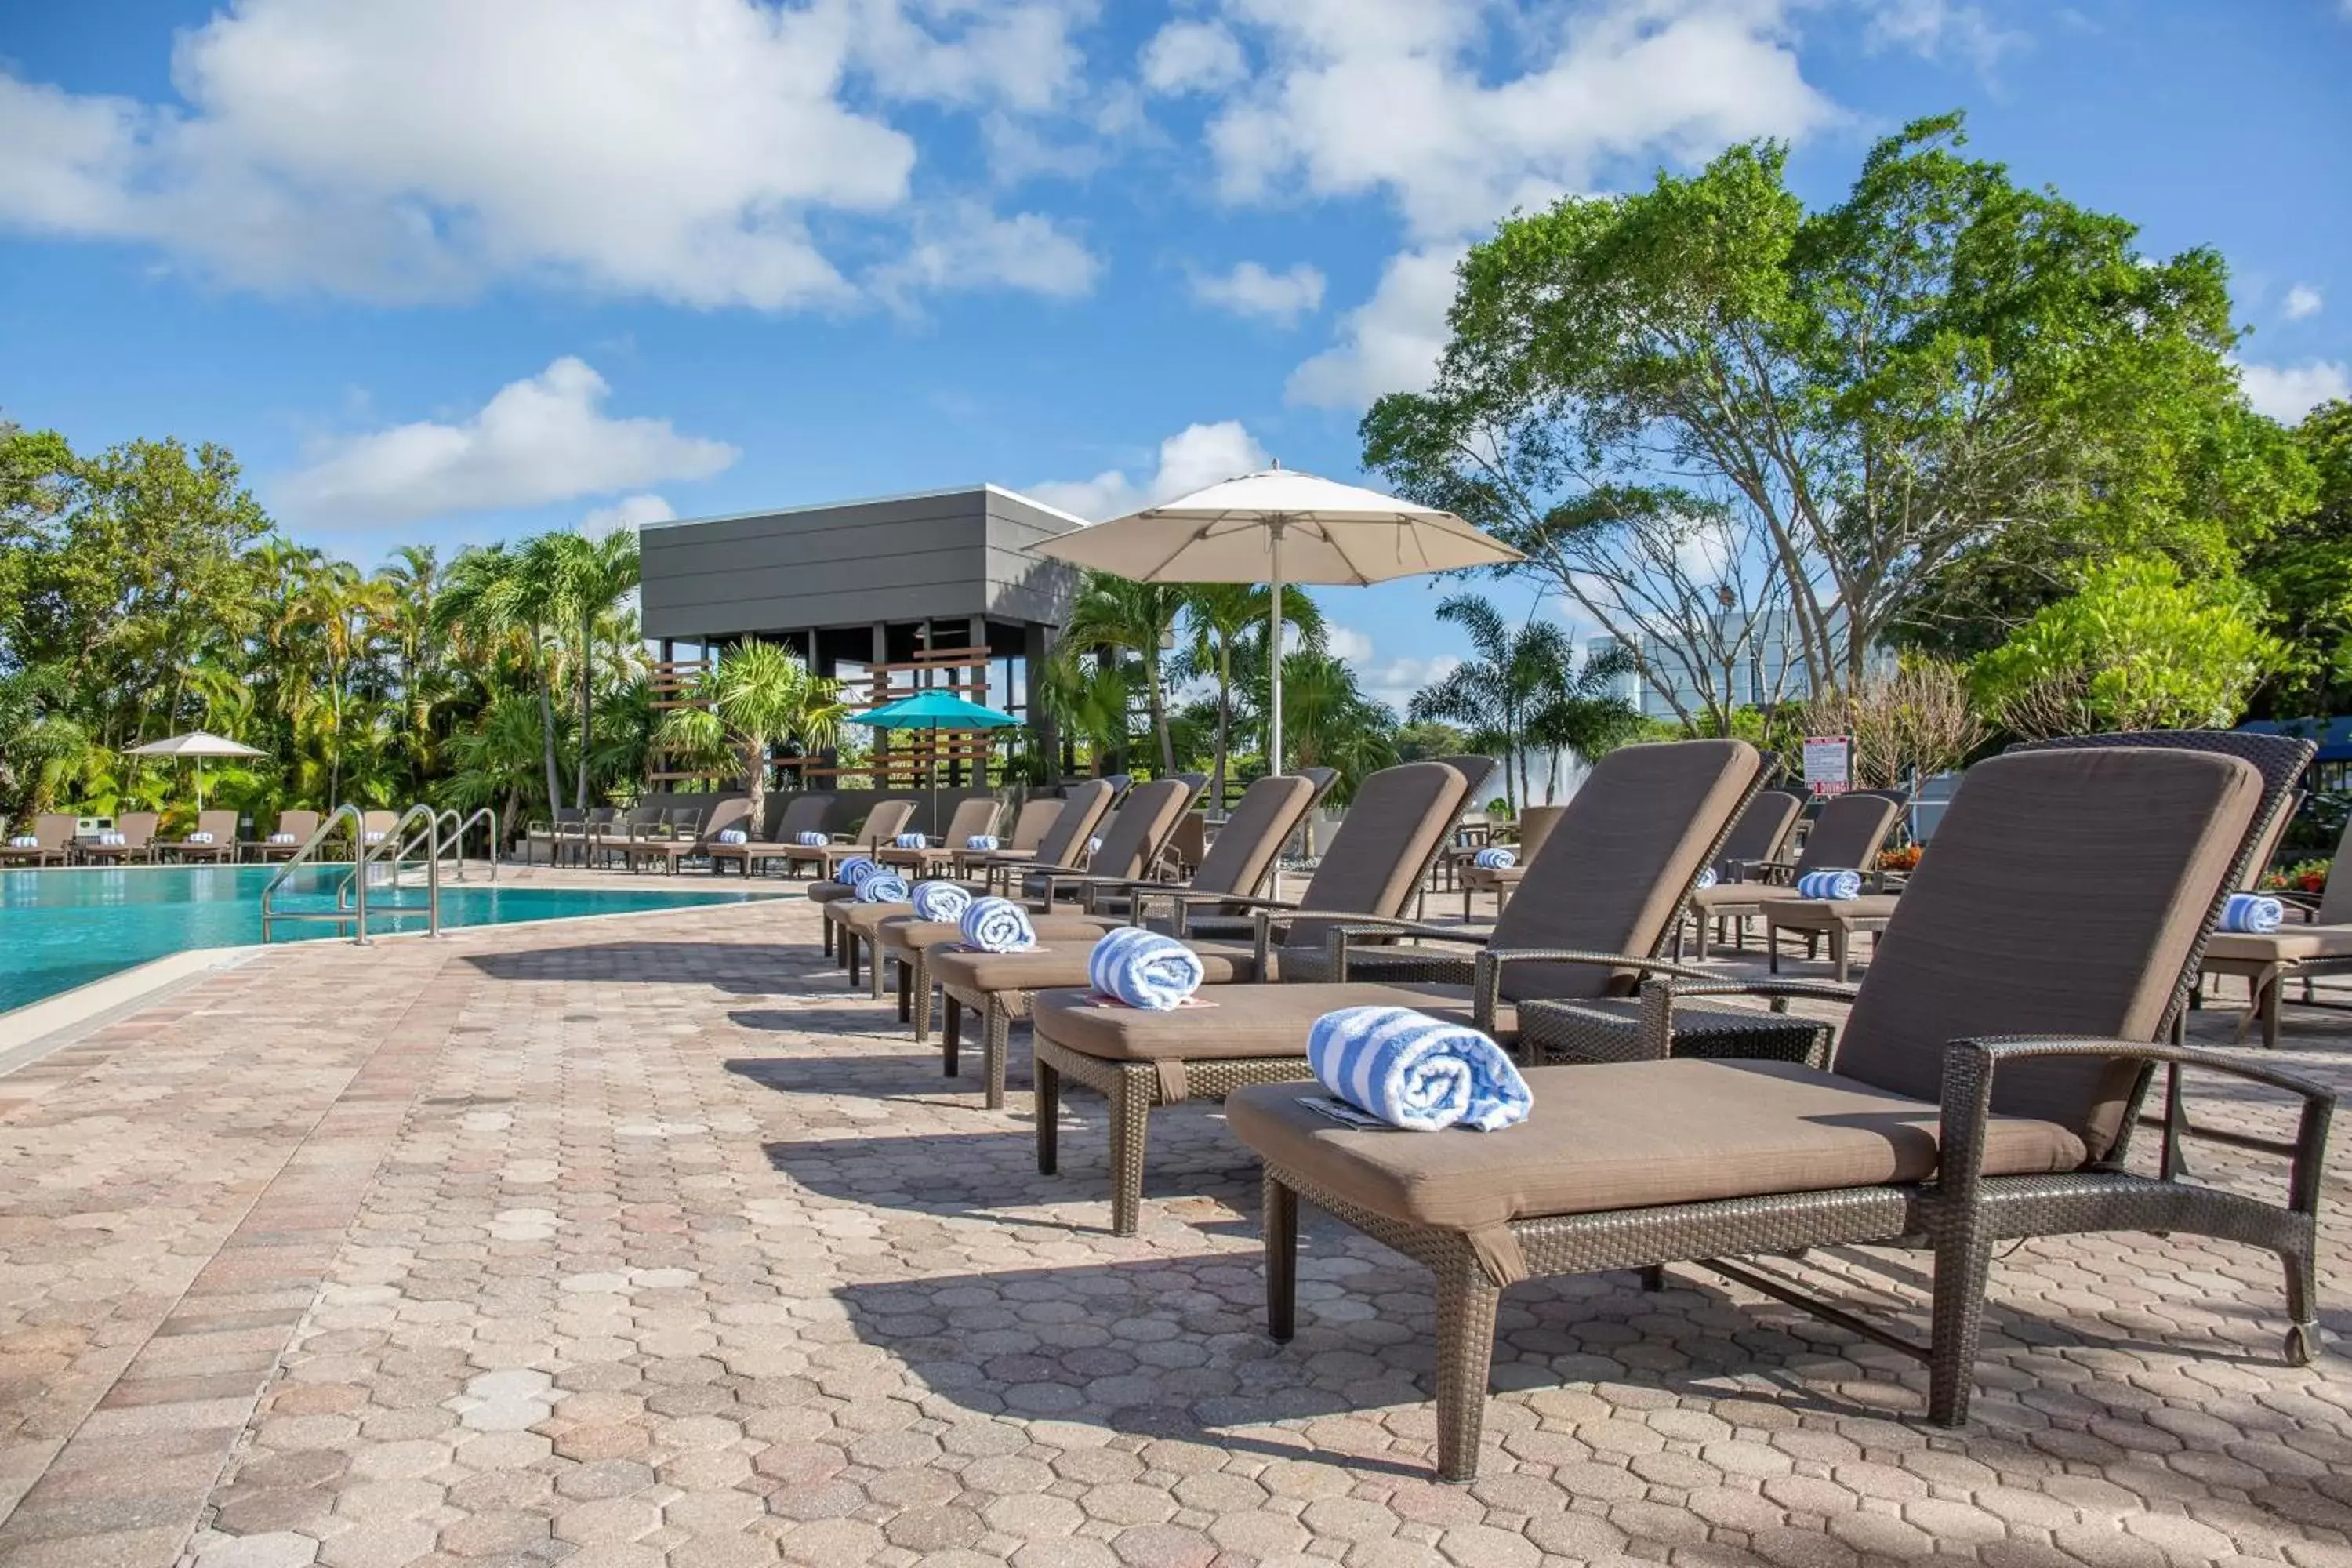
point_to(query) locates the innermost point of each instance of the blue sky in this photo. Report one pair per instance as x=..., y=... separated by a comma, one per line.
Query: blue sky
x=449, y=272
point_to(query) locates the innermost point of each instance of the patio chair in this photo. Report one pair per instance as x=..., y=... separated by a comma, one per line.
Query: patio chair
x=699, y=836
x=137, y=830
x=1846, y=837
x=555, y=833
x=1063, y=843
x=1030, y=826
x=217, y=841
x=1984, y=1090
x=884, y=821
x=999, y=985
x=293, y=831
x=1611, y=880
x=53, y=842
x=803, y=814
x=1758, y=839
x=974, y=817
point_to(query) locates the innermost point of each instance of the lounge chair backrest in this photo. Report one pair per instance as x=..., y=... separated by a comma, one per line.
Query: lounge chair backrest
x=602, y=816
x=2266, y=843
x=1252, y=837
x=302, y=824
x=1400, y=818
x=221, y=824
x=56, y=829
x=1065, y=842
x=2336, y=902
x=1762, y=830
x=1847, y=835
x=735, y=811
x=979, y=814
x=686, y=821
x=137, y=828
x=646, y=814
x=1029, y=827
x=1147, y=819
x=804, y=813
x=1613, y=872
x=385, y=821
x=2067, y=892
x=1322, y=779
x=1477, y=772
x=885, y=821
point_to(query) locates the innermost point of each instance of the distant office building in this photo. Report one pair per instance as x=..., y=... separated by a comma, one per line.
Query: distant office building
x=1771, y=666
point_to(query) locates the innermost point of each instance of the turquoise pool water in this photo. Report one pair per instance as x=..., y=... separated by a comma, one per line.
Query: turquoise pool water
x=60, y=928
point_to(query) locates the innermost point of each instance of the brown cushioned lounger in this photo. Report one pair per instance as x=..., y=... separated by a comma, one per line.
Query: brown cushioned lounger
x=221, y=826
x=721, y=816
x=1986, y=1080
x=53, y=832
x=302, y=824
x=884, y=822
x=2267, y=963
x=977, y=816
x=1846, y=837
x=1030, y=826
x=802, y=814
x=138, y=830
x=1610, y=880
x=1759, y=839
x=1064, y=843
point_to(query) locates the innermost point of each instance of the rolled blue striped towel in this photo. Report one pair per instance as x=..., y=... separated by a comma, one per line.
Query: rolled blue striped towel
x=201, y=838
x=980, y=841
x=997, y=925
x=939, y=901
x=882, y=887
x=911, y=841
x=1144, y=969
x=1496, y=859
x=1706, y=878
x=281, y=838
x=811, y=839
x=733, y=835
x=2253, y=914
x=1094, y=845
x=853, y=871
x=1417, y=1072
x=372, y=836
x=107, y=838
x=1835, y=885
x=24, y=841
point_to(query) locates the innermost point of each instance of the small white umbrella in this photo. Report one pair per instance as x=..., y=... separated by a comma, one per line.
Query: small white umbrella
x=199, y=745
x=1279, y=527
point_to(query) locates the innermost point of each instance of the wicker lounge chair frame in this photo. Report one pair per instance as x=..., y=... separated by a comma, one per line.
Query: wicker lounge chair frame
x=2267, y=965
x=1959, y=1214
x=884, y=820
x=221, y=826
x=980, y=814
x=55, y=829
x=138, y=830
x=802, y=814
x=300, y=821
x=717, y=817
x=1852, y=843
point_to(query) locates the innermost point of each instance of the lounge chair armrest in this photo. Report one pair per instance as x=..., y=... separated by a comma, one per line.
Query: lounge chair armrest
x=1660, y=995
x=1385, y=925
x=1969, y=1066
x=1486, y=984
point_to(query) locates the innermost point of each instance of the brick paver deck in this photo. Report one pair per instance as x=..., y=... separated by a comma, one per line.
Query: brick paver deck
x=631, y=1244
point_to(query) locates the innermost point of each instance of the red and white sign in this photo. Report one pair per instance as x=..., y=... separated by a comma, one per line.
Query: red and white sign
x=1829, y=763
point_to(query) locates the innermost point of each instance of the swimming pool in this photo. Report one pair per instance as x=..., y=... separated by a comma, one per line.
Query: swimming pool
x=60, y=928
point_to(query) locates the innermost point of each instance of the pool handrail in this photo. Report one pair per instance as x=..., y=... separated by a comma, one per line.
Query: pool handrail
x=351, y=894
x=318, y=835
x=397, y=843
x=456, y=837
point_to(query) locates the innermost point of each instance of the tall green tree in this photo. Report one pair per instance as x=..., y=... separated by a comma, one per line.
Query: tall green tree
x=586, y=579
x=2304, y=572
x=1522, y=693
x=1221, y=618
x=493, y=593
x=1921, y=408
x=761, y=697
x=1137, y=618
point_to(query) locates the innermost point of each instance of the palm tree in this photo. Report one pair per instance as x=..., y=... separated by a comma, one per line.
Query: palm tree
x=494, y=761
x=1494, y=696
x=1139, y=618
x=587, y=579
x=1221, y=618
x=761, y=696
x=492, y=594
x=1582, y=715
x=1328, y=722
x=37, y=738
x=1089, y=699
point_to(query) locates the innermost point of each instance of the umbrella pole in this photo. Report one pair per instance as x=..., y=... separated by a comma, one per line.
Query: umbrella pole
x=1274, y=692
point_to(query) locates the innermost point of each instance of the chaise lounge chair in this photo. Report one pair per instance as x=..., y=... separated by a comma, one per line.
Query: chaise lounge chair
x=293, y=831
x=1030, y=826
x=2269, y=961
x=1987, y=1078
x=884, y=820
x=1757, y=842
x=1611, y=880
x=1845, y=837
x=973, y=818
x=697, y=837
x=803, y=814
x=53, y=842
x=217, y=841
x=137, y=830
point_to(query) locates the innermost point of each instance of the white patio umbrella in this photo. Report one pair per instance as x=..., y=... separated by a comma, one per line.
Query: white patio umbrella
x=199, y=745
x=1279, y=527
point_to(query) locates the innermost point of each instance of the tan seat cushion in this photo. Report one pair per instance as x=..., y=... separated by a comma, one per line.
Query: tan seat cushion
x=1244, y=1021
x=2288, y=944
x=1062, y=964
x=1735, y=895
x=830, y=892
x=904, y=933
x=863, y=918
x=1630, y=1135
x=1825, y=912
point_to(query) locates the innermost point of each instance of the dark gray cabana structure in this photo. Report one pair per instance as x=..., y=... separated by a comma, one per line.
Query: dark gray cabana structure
x=896, y=596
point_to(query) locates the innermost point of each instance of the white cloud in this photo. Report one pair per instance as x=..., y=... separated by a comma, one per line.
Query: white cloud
x=1194, y=458
x=1194, y=56
x=1249, y=290
x=1931, y=28
x=538, y=440
x=969, y=247
x=1392, y=680
x=2287, y=393
x=1391, y=343
x=2303, y=299
x=1394, y=98
x=631, y=513
x=424, y=149
x=1348, y=644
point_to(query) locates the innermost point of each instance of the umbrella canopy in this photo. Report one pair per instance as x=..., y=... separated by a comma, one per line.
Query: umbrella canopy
x=934, y=711
x=199, y=745
x=1279, y=527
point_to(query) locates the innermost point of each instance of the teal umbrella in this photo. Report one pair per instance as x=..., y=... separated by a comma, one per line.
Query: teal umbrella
x=934, y=711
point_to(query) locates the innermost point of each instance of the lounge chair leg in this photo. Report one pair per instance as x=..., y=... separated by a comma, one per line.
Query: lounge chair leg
x=1465, y=1355
x=1130, y=1109
x=824, y=928
x=2303, y=1342
x=1278, y=1217
x=848, y=940
x=1963, y=1257
x=1049, y=1117
x=1771, y=946
x=874, y=964
x=919, y=978
x=995, y=1041
x=2271, y=1011
x=905, y=988
x=951, y=1037
x=1653, y=1278
x=1838, y=939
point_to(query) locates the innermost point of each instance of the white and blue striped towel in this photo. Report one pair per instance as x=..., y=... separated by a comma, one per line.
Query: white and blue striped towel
x=882, y=887
x=811, y=839
x=2253, y=914
x=1835, y=885
x=1706, y=878
x=733, y=835
x=372, y=836
x=1496, y=859
x=1417, y=1072
x=281, y=838
x=980, y=841
x=911, y=841
x=853, y=871
x=107, y=838
x=24, y=841
x=201, y=838
x=939, y=901
x=1094, y=846
x=1144, y=969
x=997, y=925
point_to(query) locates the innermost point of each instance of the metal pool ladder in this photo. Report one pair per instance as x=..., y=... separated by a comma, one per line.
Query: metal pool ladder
x=351, y=907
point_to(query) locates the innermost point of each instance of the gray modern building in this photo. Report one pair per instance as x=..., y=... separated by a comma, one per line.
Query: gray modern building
x=901, y=592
